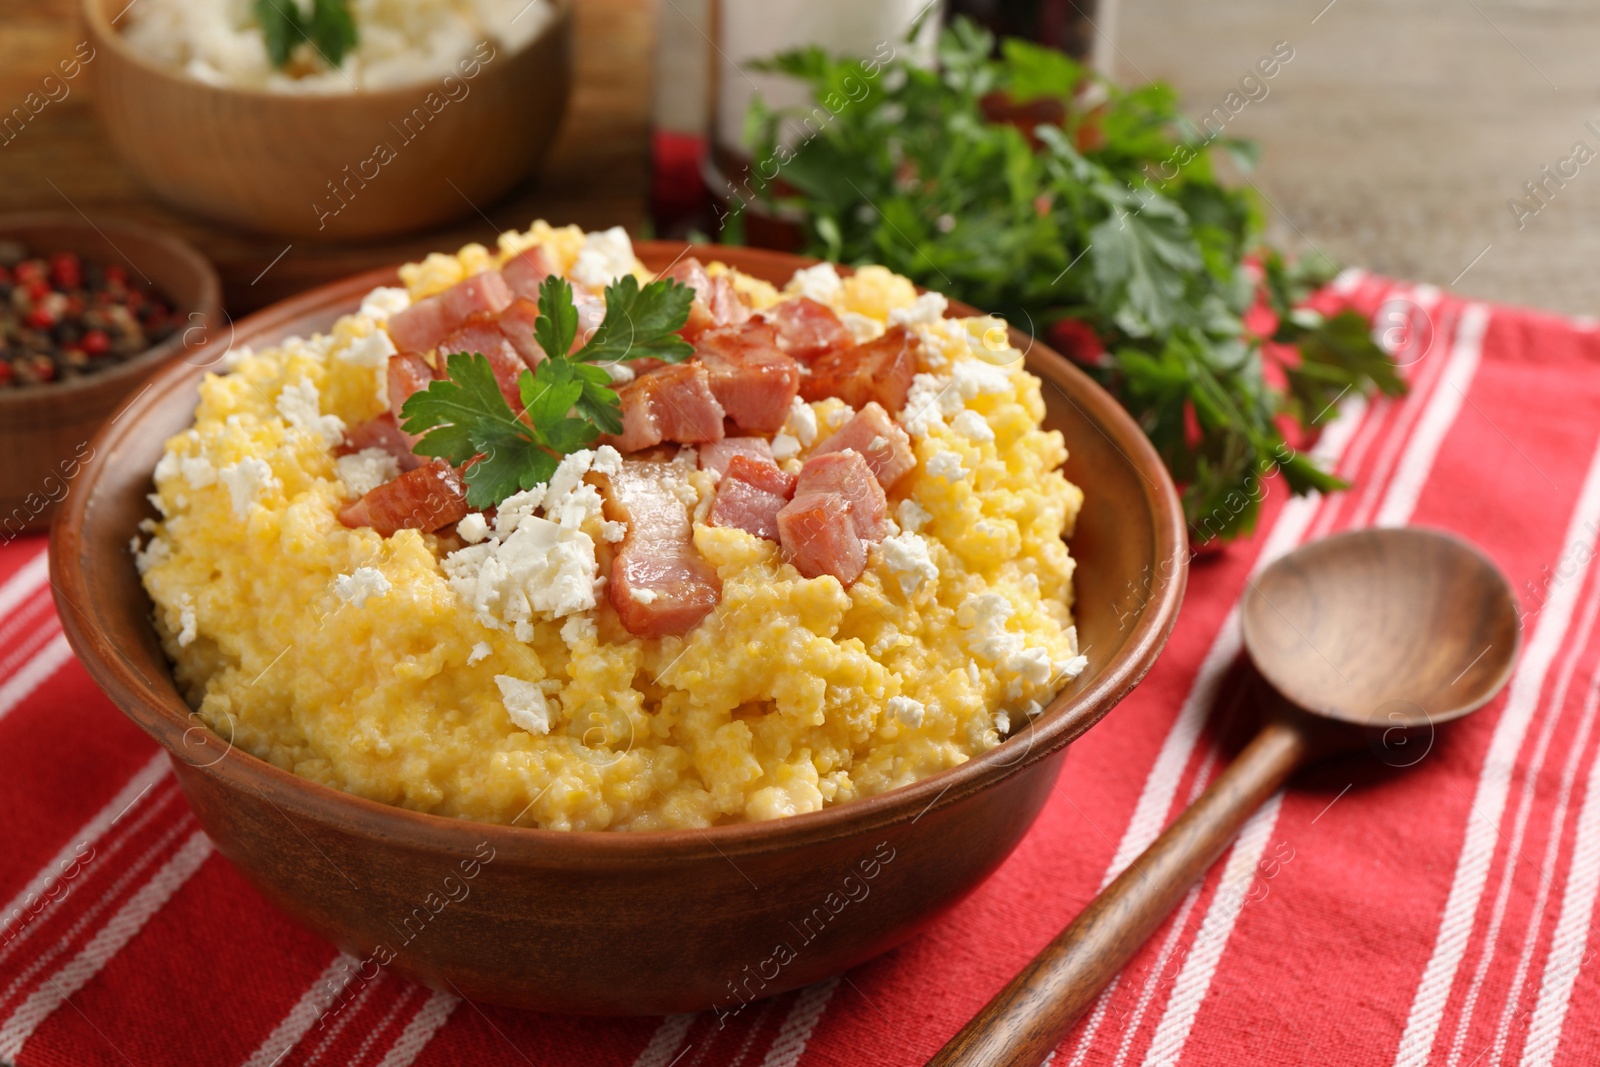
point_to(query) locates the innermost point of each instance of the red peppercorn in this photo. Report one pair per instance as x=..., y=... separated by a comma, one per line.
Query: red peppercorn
x=30, y=270
x=37, y=290
x=115, y=273
x=66, y=270
x=40, y=317
x=96, y=343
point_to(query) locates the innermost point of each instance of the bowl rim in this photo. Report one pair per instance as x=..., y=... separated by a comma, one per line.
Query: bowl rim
x=208, y=304
x=1063, y=720
x=103, y=30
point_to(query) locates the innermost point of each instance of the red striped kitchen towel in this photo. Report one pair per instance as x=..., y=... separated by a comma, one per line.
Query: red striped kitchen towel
x=1440, y=914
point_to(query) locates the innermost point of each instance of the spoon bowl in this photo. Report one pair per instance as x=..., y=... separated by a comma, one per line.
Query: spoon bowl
x=1384, y=627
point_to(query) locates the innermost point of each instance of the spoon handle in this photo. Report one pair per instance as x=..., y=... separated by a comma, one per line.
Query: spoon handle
x=1030, y=1016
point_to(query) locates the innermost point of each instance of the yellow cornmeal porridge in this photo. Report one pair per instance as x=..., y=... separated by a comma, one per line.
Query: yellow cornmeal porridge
x=350, y=659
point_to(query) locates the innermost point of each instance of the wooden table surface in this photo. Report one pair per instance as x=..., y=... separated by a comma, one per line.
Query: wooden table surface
x=597, y=174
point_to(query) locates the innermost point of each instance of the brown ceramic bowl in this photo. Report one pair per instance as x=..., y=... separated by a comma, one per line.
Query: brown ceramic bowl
x=621, y=922
x=308, y=165
x=45, y=430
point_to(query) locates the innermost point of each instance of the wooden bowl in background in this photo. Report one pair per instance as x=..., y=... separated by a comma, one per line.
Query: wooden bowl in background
x=45, y=430
x=614, y=922
x=272, y=161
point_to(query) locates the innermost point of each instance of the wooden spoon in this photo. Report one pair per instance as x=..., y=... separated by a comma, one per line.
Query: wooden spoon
x=1373, y=636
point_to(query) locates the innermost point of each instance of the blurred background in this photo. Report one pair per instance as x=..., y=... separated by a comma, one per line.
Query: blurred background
x=1394, y=139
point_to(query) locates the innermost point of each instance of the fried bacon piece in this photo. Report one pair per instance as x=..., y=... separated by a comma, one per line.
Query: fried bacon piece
x=717, y=303
x=880, y=370
x=526, y=271
x=482, y=335
x=751, y=377
x=672, y=403
x=808, y=330
x=420, y=327
x=384, y=433
x=750, y=495
x=660, y=585
x=885, y=446
x=427, y=498
x=837, y=511
x=716, y=455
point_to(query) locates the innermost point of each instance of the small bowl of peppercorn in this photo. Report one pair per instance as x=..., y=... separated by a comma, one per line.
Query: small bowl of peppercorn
x=88, y=310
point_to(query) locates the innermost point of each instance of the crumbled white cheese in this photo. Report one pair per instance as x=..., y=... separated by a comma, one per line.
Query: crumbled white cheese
x=984, y=618
x=246, y=480
x=946, y=465
x=932, y=398
x=929, y=308
x=906, y=556
x=821, y=283
x=168, y=467
x=516, y=507
x=157, y=503
x=364, y=471
x=373, y=352
x=644, y=596
x=197, y=471
x=538, y=569
x=186, y=620
x=913, y=516
x=480, y=651
x=972, y=425
x=568, y=500
x=611, y=532
x=473, y=527
x=1071, y=669
x=877, y=444
x=785, y=446
x=158, y=551
x=524, y=703
x=361, y=585
x=975, y=377
x=579, y=630
x=384, y=302
x=1002, y=723
x=620, y=373
x=907, y=710
x=862, y=328
x=802, y=422
x=235, y=356
x=606, y=256
x=607, y=460
x=301, y=407
x=1033, y=665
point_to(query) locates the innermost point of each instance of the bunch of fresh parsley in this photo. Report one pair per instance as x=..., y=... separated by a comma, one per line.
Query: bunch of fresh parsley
x=1103, y=224
x=329, y=27
x=567, y=402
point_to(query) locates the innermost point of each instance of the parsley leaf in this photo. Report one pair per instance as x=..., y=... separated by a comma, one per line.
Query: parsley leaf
x=567, y=402
x=330, y=28
x=641, y=323
x=464, y=418
x=557, y=325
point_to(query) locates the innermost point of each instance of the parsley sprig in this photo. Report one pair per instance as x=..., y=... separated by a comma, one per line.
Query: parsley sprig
x=567, y=403
x=1106, y=229
x=329, y=27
